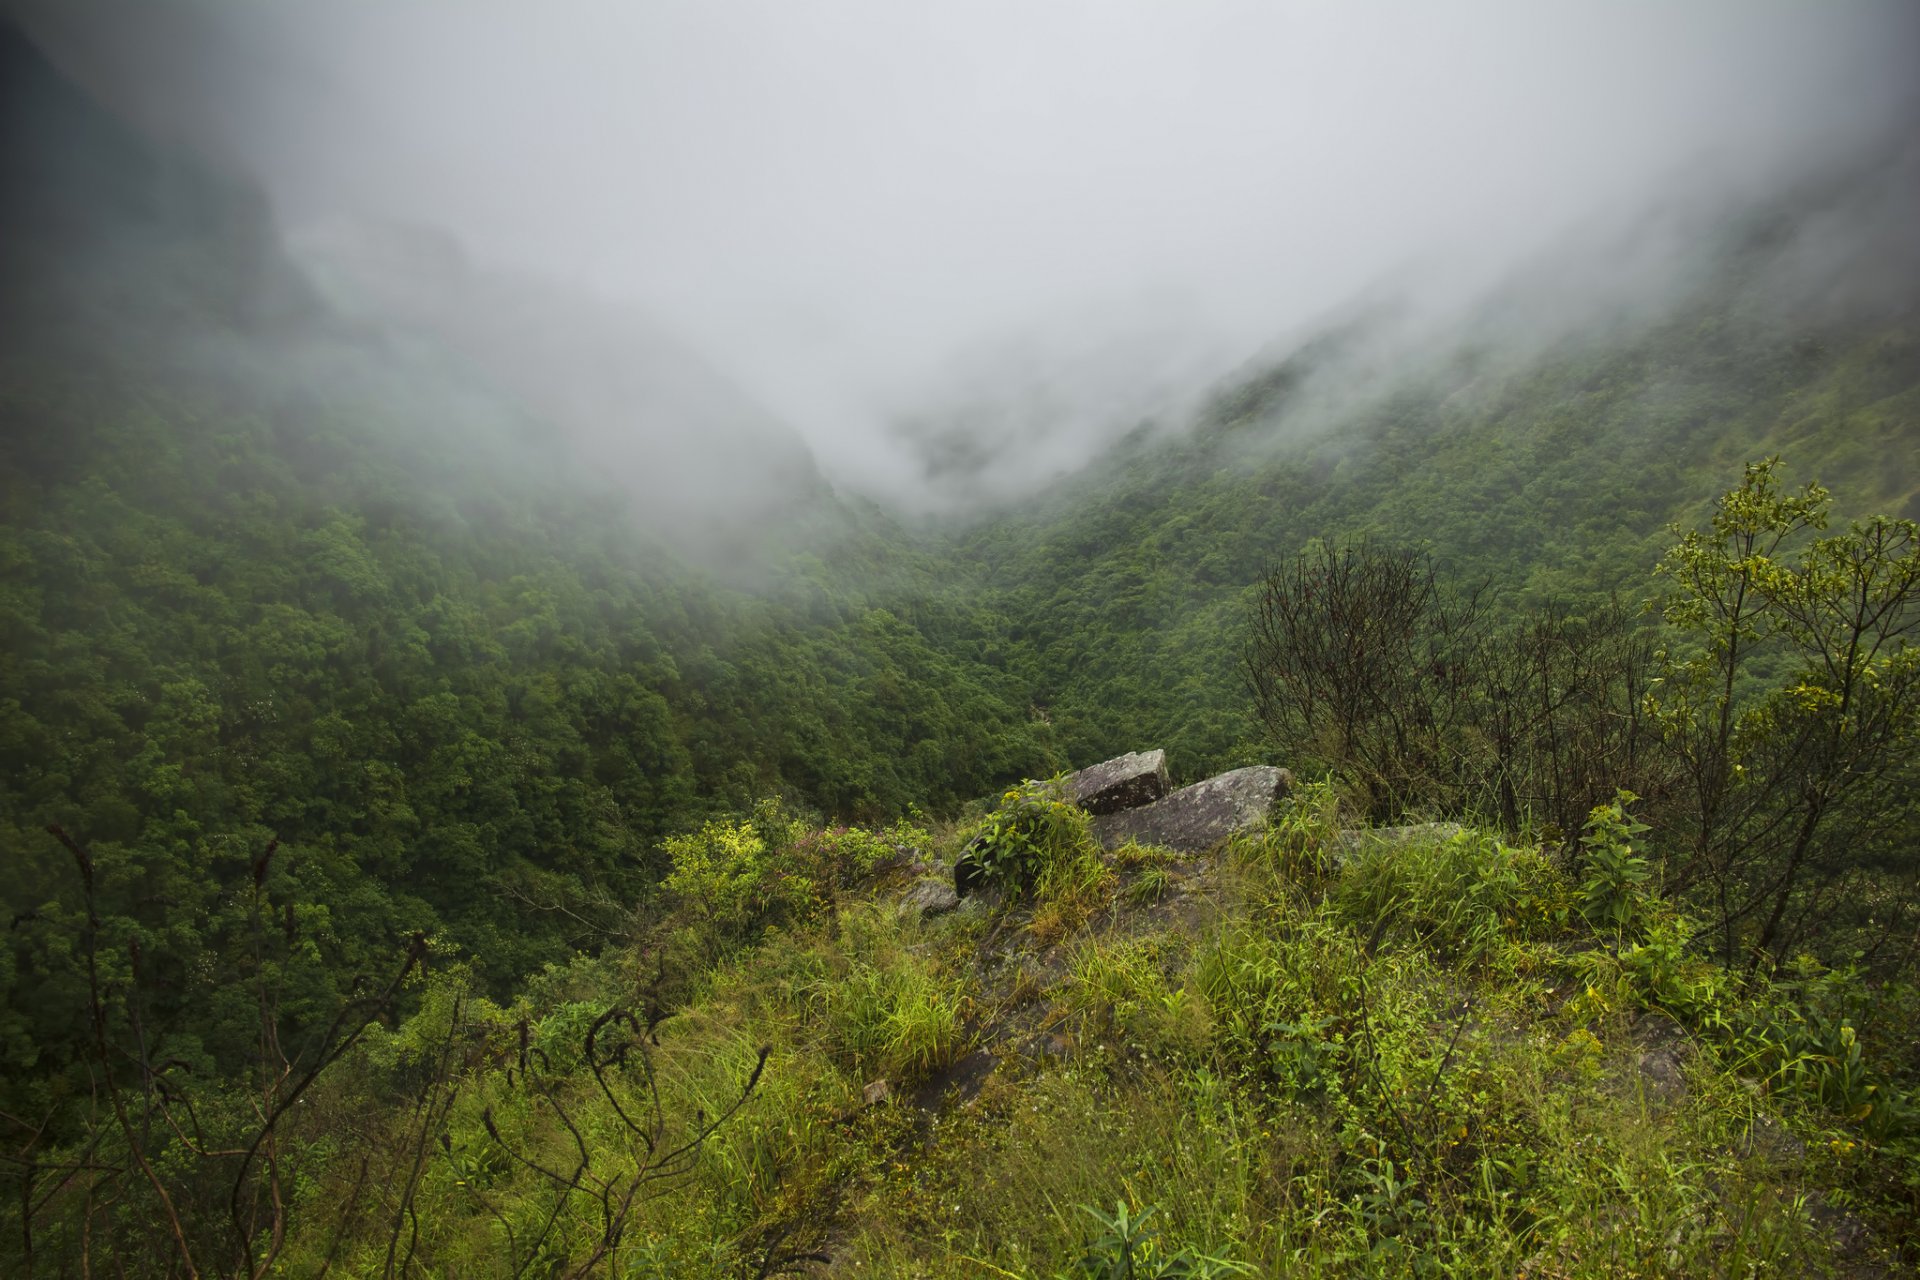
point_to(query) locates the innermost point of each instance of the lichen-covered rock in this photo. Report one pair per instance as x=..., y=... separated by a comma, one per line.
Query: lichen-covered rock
x=1124, y=782
x=1196, y=818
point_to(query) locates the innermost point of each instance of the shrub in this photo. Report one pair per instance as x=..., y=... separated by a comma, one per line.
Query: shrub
x=1028, y=838
x=724, y=879
x=1612, y=891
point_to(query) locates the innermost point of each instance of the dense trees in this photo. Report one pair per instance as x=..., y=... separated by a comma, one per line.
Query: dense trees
x=1363, y=658
x=1772, y=732
x=466, y=698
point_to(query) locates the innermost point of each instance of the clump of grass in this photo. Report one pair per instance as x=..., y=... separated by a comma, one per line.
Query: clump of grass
x=1461, y=897
x=1134, y=990
x=884, y=1006
x=1299, y=841
x=1070, y=891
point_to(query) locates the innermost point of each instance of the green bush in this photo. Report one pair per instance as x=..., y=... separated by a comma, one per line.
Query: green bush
x=1805, y=1040
x=1029, y=836
x=1460, y=896
x=1613, y=890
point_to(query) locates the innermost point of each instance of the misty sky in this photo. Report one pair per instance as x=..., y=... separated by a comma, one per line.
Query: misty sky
x=870, y=211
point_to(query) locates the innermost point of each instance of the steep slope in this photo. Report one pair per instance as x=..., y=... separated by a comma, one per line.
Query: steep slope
x=1551, y=473
x=270, y=570
x=1306, y=1053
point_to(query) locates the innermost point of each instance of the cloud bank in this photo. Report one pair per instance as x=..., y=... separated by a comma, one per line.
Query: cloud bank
x=1039, y=223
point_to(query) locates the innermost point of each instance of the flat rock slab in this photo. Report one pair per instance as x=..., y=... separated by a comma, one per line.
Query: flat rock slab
x=1196, y=818
x=1125, y=782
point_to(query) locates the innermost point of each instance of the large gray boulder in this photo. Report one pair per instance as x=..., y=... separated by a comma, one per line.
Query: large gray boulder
x=1196, y=818
x=1125, y=782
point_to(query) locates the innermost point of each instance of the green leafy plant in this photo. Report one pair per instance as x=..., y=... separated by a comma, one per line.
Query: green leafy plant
x=1126, y=1248
x=723, y=876
x=1031, y=832
x=1613, y=889
x=1806, y=1041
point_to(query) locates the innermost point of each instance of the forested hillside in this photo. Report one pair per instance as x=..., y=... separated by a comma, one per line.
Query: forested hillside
x=1554, y=480
x=272, y=576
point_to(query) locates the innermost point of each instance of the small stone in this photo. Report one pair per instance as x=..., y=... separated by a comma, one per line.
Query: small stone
x=1770, y=1140
x=876, y=1092
x=931, y=898
x=1352, y=840
x=1661, y=1074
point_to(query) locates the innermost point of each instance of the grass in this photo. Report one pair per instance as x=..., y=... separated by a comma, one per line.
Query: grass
x=1426, y=1063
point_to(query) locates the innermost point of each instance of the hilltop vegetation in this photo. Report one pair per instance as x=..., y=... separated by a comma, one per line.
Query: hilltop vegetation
x=1304, y=1055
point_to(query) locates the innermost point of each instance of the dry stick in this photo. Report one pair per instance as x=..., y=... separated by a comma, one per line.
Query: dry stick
x=415, y=952
x=359, y=1183
x=506, y=1223
x=99, y=1015
x=271, y=1082
x=672, y=1164
x=413, y=1185
x=1466, y=1009
x=72, y=1171
x=774, y=1263
x=29, y=1170
x=563, y=1191
x=595, y=1065
x=436, y=1110
x=26, y=1216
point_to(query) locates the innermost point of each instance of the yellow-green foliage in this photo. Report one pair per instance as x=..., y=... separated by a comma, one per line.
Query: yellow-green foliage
x=731, y=879
x=722, y=875
x=1429, y=1063
x=886, y=1007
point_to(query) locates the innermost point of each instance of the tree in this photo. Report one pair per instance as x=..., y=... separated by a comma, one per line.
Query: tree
x=1790, y=700
x=1362, y=657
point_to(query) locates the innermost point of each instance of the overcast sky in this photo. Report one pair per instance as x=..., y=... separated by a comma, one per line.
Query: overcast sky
x=862, y=209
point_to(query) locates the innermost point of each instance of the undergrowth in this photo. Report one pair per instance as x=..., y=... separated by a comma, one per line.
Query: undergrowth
x=1434, y=1056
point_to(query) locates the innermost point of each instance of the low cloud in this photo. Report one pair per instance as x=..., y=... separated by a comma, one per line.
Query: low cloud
x=960, y=247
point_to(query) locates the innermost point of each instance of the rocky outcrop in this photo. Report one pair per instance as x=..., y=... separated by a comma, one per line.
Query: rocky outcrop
x=1125, y=782
x=1196, y=818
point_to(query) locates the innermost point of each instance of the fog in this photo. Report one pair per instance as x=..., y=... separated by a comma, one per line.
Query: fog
x=959, y=247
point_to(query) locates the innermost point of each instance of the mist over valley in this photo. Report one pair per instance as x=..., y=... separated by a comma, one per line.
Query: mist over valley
x=1044, y=641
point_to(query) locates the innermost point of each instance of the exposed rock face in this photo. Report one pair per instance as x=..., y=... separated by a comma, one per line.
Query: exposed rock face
x=1662, y=1076
x=1194, y=819
x=1125, y=782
